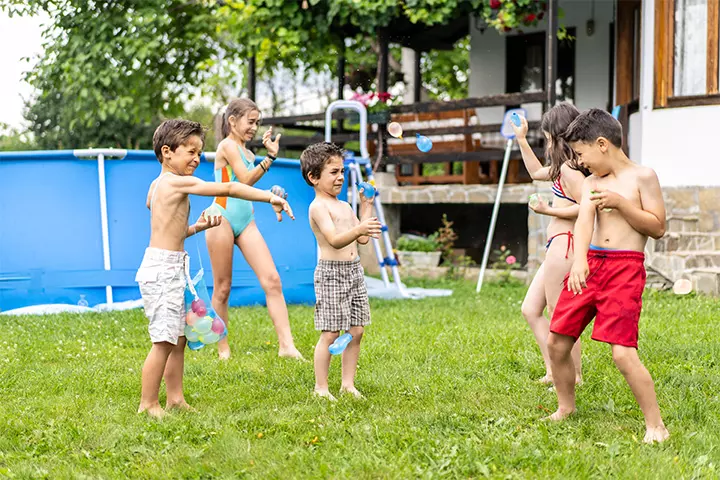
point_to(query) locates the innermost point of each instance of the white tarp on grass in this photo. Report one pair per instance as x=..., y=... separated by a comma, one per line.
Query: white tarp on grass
x=375, y=287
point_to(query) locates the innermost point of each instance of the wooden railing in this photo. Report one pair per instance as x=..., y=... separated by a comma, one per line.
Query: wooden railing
x=479, y=159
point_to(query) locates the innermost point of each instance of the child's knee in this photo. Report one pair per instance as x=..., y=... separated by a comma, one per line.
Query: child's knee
x=357, y=332
x=221, y=291
x=625, y=358
x=530, y=311
x=559, y=345
x=271, y=283
x=329, y=337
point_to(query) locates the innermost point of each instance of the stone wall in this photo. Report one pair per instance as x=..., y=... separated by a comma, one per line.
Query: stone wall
x=703, y=202
x=694, y=206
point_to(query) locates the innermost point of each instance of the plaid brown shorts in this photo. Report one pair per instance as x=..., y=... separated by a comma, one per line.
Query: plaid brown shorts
x=341, y=296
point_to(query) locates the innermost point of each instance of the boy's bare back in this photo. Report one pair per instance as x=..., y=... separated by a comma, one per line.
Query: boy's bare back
x=634, y=184
x=342, y=218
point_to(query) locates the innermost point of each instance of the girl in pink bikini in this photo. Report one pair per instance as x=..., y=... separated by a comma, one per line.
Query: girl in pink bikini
x=567, y=178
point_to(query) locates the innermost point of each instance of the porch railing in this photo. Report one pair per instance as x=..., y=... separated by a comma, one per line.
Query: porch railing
x=467, y=153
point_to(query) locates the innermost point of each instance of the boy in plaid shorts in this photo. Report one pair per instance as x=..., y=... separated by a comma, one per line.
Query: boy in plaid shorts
x=341, y=295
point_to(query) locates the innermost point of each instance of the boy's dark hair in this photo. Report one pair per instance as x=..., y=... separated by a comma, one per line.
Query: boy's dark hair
x=174, y=133
x=314, y=158
x=593, y=124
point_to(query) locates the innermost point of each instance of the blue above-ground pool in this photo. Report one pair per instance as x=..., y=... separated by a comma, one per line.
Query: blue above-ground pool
x=53, y=248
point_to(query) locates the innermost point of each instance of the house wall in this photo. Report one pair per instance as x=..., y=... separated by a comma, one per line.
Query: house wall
x=592, y=58
x=676, y=142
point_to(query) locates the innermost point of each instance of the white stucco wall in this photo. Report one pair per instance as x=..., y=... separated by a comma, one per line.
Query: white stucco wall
x=592, y=62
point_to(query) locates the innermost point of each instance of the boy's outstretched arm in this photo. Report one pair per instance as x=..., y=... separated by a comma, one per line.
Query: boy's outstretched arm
x=584, y=227
x=648, y=219
x=320, y=216
x=194, y=186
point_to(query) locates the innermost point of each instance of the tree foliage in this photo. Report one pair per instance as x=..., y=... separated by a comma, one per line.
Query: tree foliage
x=112, y=69
x=446, y=73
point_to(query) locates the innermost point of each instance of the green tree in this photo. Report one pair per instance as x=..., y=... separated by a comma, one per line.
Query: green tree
x=445, y=73
x=12, y=139
x=112, y=69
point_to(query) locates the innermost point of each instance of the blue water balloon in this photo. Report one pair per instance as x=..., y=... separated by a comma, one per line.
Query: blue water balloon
x=424, y=144
x=368, y=189
x=339, y=345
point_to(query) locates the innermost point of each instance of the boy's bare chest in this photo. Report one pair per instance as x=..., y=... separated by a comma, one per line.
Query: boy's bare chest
x=342, y=217
x=625, y=186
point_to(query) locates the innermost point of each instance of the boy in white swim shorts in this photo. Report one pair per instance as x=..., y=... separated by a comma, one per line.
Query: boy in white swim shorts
x=164, y=271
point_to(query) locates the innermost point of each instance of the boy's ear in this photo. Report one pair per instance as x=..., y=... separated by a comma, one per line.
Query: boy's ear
x=603, y=143
x=165, y=151
x=312, y=178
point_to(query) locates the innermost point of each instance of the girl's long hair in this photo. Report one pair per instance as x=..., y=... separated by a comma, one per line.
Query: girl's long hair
x=555, y=121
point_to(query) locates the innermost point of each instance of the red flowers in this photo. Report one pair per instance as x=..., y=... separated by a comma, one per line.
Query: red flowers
x=366, y=98
x=494, y=4
x=529, y=18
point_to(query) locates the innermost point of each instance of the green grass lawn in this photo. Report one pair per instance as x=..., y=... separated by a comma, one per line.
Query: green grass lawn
x=449, y=386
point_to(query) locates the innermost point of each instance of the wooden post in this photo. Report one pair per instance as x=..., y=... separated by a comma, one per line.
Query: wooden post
x=252, y=78
x=382, y=86
x=551, y=54
x=383, y=60
x=417, y=78
x=341, y=80
x=341, y=69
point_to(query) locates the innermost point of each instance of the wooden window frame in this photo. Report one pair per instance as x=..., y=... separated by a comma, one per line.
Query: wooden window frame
x=664, y=57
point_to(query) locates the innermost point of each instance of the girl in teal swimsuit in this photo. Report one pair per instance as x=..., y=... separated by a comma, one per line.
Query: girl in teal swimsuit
x=233, y=163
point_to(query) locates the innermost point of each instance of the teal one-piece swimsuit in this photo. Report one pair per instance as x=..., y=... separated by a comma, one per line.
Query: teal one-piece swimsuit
x=238, y=212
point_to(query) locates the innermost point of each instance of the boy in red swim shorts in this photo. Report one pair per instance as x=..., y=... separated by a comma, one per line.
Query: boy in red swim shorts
x=622, y=205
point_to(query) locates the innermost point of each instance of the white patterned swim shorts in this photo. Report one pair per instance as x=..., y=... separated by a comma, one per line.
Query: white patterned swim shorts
x=162, y=278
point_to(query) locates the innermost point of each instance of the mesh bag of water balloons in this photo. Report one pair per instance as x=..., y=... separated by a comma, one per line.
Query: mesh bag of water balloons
x=202, y=325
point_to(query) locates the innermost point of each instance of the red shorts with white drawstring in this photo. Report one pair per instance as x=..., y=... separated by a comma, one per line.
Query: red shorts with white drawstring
x=613, y=297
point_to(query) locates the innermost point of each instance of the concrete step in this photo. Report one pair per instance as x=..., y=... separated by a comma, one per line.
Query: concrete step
x=706, y=280
x=683, y=223
x=656, y=280
x=686, y=241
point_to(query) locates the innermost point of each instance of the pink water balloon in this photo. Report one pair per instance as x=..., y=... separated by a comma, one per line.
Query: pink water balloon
x=198, y=306
x=218, y=326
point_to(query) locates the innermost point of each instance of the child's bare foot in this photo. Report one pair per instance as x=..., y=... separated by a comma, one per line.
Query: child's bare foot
x=182, y=405
x=546, y=380
x=324, y=394
x=223, y=349
x=352, y=391
x=291, y=352
x=559, y=415
x=656, y=434
x=154, y=410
